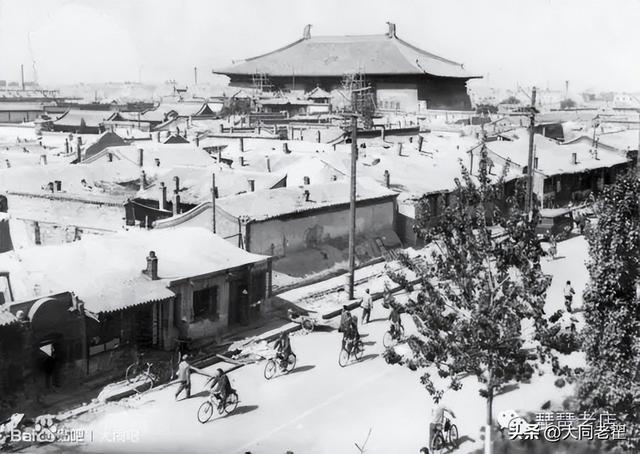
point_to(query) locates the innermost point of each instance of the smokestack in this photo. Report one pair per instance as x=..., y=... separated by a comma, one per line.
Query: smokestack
x=306, y=195
x=268, y=164
x=22, y=76
x=306, y=180
x=574, y=158
x=43, y=160
x=318, y=136
x=79, y=149
x=252, y=185
x=195, y=75
x=420, y=140
x=176, y=181
x=140, y=157
x=387, y=178
x=143, y=179
x=241, y=145
x=176, y=203
x=66, y=146
x=163, y=196
x=152, y=266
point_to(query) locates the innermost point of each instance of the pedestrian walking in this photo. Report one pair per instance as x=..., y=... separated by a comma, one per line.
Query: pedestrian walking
x=568, y=295
x=184, y=377
x=367, y=305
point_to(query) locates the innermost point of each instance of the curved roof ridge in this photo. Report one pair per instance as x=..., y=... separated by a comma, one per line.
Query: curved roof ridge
x=273, y=51
x=428, y=54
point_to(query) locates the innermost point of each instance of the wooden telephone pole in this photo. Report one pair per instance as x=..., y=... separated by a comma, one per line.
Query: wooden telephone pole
x=528, y=204
x=352, y=199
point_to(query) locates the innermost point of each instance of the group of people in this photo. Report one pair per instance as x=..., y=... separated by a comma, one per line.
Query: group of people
x=218, y=384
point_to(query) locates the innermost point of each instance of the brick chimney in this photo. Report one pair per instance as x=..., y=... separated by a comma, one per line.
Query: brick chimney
x=391, y=33
x=176, y=203
x=152, y=266
x=163, y=196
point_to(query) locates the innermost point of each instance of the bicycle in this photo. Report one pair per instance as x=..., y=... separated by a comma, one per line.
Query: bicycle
x=205, y=411
x=277, y=363
x=393, y=337
x=351, y=349
x=439, y=441
x=148, y=372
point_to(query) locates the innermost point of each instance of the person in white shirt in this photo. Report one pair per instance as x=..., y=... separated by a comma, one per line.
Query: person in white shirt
x=367, y=305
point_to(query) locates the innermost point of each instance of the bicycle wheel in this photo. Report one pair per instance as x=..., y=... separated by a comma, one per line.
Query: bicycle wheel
x=205, y=411
x=232, y=402
x=343, y=358
x=270, y=369
x=358, y=350
x=438, y=442
x=387, y=340
x=133, y=373
x=291, y=363
x=453, y=436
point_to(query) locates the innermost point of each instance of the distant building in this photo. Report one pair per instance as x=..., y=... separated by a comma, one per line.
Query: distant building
x=402, y=76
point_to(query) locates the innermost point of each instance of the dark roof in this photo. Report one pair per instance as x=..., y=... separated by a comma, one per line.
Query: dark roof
x=92, y=118
x=337, y=55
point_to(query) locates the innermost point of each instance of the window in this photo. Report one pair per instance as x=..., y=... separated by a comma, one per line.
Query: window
x=205, y=303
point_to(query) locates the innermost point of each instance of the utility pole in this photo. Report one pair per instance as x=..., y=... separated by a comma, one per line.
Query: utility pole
x=532, y=119
x=213, y=200
x=352, y=204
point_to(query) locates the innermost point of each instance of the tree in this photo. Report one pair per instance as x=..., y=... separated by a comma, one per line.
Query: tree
x=612, y=309
x=567, y=104
x=477, y=290
x=510, y=100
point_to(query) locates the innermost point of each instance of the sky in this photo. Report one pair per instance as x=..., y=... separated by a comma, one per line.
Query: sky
x=594, y=44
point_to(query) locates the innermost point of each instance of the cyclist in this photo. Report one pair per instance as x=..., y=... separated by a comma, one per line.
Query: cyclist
x=396, y=322
x=220, y=388
x=283, y=348
x=441, y=420
x=349, y=336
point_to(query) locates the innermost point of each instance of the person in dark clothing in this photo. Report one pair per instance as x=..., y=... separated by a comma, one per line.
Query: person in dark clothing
x=396, y=322
x=220, y=388
x=344, y=319
x=283, y=347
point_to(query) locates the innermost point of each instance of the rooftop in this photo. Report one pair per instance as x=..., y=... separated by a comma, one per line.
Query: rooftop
x=337, y=55
x=269, y=204
x=105, y=272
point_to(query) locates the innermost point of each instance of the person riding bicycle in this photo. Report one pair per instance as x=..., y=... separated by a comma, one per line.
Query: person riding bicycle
x=283, y=348
x=220, y=388
x=441, y=419
x=350, y=336
x=396, y=322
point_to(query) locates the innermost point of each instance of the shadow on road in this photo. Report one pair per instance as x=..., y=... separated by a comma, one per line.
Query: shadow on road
x=242, y=409
x=302, y=369
x=369, y=343
x=368, y=357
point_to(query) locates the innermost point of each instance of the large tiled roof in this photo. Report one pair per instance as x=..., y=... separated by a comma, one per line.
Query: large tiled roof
x=337, y=55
